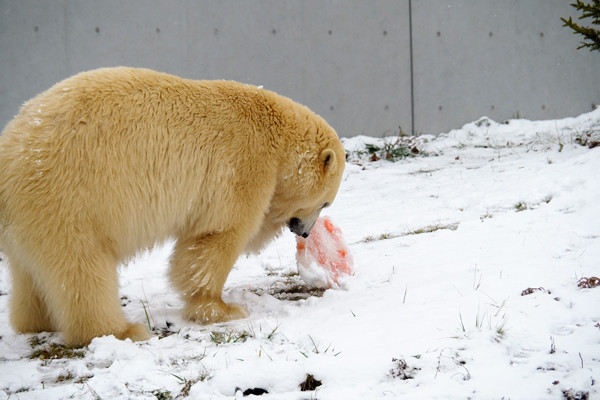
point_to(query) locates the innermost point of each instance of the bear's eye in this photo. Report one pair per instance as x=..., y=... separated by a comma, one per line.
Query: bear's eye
x=325, y=205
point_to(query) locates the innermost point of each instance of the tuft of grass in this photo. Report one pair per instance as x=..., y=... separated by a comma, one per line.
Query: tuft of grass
x=401, y=370
x=529, y=291
x=310, y=383
x=485, y=216
x=494, y=322
x=165, y=331
x=589, y=139
x=517, y=115
x=315, y=349
x=433, y=228
x=501, y=331
x=83, y=379
x=42, y=350
x=230, y=336
x=588, y=283
x=187, y=386
x=148, y=316
x=462, y=324
x=391, y=151
x=162, y=394
x=188, y=383
x=63, y=377
x=521, y=206
x=273, y=332
x=418, y=231
x=574, y=395
x=477, y=282
x=36, y=341
x=383, y=236
x=394, y=149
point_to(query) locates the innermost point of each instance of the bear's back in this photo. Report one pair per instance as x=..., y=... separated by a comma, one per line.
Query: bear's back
x=124, y=148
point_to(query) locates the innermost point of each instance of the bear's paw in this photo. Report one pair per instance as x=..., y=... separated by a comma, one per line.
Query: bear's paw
x=210, y=312
x=135, y=332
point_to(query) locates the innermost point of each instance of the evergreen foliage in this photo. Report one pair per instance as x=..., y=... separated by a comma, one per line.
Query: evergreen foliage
x=591, y=35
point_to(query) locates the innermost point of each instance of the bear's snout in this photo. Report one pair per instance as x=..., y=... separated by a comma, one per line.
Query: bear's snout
x=297, y=227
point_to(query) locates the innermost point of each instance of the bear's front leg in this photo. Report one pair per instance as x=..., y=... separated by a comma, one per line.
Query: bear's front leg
x=28, y=312
x=199, y=269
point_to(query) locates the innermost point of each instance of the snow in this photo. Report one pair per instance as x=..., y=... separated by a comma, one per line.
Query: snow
x=443, y=243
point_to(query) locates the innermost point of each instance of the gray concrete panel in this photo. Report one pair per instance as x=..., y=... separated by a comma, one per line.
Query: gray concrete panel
x=339, y=58
x=32, y=51
x=503, y=59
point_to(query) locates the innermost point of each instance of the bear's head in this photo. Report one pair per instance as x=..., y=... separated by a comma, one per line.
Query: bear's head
x=311, y=178
x=308, y=205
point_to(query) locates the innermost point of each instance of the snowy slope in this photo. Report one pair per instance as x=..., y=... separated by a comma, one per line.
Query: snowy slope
x=444, y=244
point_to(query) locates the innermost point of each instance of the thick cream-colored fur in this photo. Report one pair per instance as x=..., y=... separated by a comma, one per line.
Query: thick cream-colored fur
x=112, y=161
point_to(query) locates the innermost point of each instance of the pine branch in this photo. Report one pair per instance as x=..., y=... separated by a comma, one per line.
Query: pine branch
x=590, y=10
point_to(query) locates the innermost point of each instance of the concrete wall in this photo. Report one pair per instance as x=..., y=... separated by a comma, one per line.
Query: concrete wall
x=503, y=59
x=349, y=60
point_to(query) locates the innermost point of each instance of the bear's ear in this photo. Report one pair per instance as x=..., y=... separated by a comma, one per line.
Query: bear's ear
x=328, y=160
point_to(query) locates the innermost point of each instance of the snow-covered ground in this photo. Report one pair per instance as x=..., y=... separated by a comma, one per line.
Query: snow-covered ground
x=467, y=262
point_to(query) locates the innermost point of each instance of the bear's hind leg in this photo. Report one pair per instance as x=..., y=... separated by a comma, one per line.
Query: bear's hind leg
x=28, y=312
x=87, y=304
x=199, y=269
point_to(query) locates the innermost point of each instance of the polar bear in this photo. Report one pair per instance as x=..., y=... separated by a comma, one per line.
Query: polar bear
x=112, y=161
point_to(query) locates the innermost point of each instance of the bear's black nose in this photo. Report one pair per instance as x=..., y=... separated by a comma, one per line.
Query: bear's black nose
x=297, y=227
